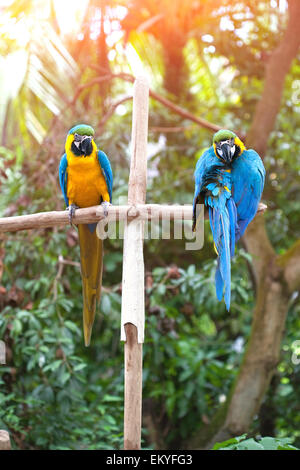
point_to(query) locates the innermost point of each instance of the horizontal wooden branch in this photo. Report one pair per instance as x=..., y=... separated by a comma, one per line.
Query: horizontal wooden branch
x=95, y=213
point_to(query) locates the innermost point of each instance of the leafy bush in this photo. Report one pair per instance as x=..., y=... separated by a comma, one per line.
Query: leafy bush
x=264, y=443
x=54, y=393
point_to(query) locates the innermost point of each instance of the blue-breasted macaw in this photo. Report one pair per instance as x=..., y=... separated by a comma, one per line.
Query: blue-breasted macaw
x=86, y=180
x=229, y=180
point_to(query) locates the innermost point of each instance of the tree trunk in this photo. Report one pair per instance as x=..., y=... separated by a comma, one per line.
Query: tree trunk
x=175, y=74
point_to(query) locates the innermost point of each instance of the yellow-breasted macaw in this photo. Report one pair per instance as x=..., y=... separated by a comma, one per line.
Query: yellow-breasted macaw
x=229, y=179
x=86, y=180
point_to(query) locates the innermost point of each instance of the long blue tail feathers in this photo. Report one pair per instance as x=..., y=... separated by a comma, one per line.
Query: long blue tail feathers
x=223, y=224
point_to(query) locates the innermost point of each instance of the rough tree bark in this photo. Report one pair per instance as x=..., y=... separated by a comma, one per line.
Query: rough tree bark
x=277, y=276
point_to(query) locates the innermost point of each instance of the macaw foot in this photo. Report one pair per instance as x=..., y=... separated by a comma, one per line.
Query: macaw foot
x=105, y=205
x=71, y=209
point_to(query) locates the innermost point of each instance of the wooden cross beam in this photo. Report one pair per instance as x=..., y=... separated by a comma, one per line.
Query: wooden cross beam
x=41, y=220
x=135, y=213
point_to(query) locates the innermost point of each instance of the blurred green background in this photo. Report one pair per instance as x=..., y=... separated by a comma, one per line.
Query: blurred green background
x=64, y=62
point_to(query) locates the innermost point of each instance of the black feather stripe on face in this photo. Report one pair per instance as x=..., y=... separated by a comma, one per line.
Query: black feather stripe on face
x=237, y=151
x=75, y=150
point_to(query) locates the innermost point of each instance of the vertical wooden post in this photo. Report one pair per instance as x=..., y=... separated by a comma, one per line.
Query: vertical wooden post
x=4, y=440
x=133, y=302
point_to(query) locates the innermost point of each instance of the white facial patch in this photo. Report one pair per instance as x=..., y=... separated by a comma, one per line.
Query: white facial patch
x=232, y=150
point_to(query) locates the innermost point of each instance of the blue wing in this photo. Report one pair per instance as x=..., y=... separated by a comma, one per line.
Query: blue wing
x=107, y=171
x=207, y=159
x=205, y=165
x=63, y=176
x=248, y=178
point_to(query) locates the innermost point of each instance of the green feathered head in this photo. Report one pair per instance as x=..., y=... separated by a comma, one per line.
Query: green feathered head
x=223, y=134
x=82, y=129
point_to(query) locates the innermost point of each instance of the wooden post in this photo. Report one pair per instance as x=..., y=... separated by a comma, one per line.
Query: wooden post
x=4, y=440
x=133, y=301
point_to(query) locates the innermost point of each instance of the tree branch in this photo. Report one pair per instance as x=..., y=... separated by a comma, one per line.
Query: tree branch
x=111, y=111
x=95, y=214
x=290, y=262
x=262, y=252
x=184, y=113
x=164, y=101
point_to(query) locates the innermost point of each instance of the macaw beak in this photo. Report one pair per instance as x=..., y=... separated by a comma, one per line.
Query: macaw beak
x=86, y=145
x=226, y=150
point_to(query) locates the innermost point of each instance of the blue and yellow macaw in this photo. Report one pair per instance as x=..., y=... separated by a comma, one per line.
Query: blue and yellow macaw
x=229, y=180
x=86, y=180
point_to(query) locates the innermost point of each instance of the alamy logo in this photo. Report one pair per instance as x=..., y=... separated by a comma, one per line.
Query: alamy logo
x=167, y=222
x=2, y=352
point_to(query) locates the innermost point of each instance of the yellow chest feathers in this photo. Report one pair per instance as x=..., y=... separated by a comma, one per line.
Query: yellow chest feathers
x=86, y=184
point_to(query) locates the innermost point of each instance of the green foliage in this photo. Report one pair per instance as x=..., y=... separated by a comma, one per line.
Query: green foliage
x=189, y=333
x=55, y=397
x=264, y=443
